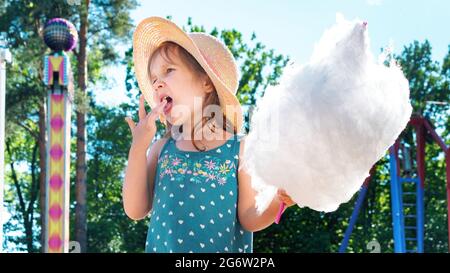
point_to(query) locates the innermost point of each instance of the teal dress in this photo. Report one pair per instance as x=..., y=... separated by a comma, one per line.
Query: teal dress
x=195, y=202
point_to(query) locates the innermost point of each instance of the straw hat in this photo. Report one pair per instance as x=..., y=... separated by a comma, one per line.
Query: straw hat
x=215, y=58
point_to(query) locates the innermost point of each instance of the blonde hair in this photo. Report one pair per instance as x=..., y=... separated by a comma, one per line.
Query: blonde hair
x=166, y=50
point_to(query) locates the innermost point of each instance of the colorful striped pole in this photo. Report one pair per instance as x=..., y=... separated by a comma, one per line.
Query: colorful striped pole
x=60, y=35
x=56, y=67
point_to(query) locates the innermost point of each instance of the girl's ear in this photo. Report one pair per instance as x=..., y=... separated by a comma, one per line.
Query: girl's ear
x=208, y=85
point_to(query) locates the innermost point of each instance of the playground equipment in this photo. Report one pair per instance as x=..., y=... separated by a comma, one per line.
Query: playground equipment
x=5, y=57
x=407, y=190
x=59, y=35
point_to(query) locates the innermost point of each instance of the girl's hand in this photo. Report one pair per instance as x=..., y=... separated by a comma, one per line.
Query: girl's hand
x=144, y=131
x=286, y=199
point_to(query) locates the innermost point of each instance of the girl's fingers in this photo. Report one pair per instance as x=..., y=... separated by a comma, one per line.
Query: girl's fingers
x=142, y=113
x=283, y=197
x=289, y=202
x=281, y=191
x=130, y=122
x=153, y=115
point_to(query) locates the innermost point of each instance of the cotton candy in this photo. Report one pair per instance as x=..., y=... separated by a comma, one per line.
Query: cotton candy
x=320, y=130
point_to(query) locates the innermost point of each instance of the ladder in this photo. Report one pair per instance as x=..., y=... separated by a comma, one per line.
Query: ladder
x=407, y=191
x=407, y=195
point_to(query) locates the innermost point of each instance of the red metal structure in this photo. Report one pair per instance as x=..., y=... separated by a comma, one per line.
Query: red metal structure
x=405, y=232
x=423, y=127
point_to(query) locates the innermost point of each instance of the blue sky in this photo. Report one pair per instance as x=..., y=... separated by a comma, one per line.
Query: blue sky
x=292, y=27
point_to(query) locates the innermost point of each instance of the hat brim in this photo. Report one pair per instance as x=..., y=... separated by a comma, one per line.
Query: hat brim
x=149, y=35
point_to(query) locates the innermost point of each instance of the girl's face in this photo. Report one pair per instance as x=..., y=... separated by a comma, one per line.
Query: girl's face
x=183, y=91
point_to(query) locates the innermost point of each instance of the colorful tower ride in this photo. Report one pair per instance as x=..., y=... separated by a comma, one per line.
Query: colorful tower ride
x=59, y=35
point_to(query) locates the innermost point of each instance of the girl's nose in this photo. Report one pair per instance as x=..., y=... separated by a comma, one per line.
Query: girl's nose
x=158, y=84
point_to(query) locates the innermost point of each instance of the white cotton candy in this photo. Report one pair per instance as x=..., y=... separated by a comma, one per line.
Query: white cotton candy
x=318, y=133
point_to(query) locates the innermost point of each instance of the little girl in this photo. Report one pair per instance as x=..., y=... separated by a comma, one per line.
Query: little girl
x=191, y=182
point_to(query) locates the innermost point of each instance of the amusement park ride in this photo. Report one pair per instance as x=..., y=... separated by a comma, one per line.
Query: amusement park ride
x=407, y=189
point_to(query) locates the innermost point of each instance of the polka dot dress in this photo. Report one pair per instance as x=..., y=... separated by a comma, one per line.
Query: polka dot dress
x=195, y=202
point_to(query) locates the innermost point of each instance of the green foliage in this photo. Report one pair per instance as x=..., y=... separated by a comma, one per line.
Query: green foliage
x=20, y=193
x=428, y=81
x=109, y=230
x=23, y=21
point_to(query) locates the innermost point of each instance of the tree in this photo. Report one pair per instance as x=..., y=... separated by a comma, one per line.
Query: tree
x=101, y=25
x=26, y=196
x=428, y=80
x=26, y=94
x=115, y=26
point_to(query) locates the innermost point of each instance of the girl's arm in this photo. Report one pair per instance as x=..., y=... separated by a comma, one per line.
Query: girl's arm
x=137, y=190
x=139, y=180
x=248, y=217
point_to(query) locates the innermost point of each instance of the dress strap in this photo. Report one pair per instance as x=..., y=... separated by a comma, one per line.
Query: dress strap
x=165, y=146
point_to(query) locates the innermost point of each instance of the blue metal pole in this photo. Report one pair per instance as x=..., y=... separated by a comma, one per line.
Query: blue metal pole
x=420, y=217
x=353, y=218
x=397, y=206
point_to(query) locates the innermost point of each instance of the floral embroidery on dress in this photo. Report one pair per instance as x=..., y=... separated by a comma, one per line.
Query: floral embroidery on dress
x=205, y=169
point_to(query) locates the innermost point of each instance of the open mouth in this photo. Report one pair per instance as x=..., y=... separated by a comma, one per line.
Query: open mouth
x=169, y=104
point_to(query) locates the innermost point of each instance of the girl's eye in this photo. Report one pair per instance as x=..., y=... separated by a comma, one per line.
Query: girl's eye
x=167, y=71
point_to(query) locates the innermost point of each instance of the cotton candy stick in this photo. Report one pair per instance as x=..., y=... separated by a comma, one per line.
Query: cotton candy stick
x=280, y=212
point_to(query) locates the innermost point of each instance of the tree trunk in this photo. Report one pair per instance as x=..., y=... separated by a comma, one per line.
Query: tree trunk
x=34, y=188
x=81, y=167
x=28, y=232
x=26, y=211
x=42, y=167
